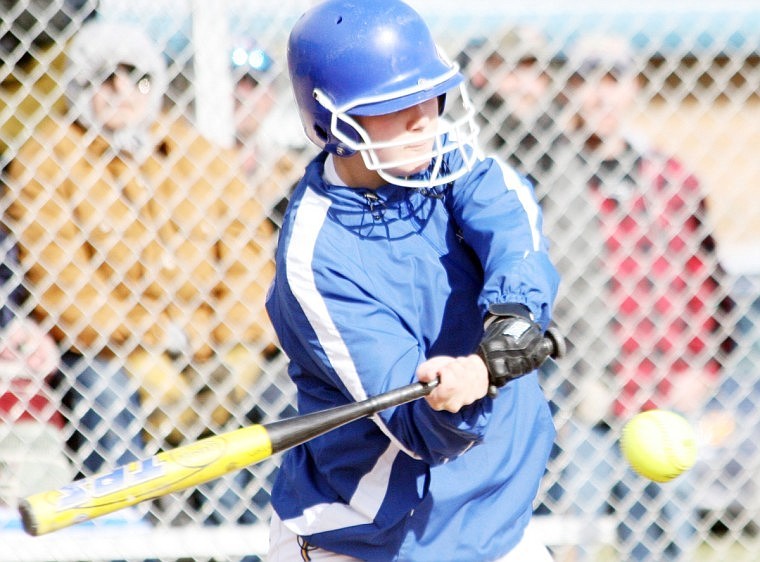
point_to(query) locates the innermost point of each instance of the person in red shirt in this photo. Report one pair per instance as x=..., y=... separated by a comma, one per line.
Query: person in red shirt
x=640, y=300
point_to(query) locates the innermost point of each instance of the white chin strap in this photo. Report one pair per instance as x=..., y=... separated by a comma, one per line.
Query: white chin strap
x=459, y=134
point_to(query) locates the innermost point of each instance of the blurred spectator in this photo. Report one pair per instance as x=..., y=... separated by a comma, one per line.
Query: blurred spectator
x=67, y=282
x=33, y=40
x=146, y=251
x=32, y=455
x=513, y=88
x=269, y=156
x=33, y=458
x=640, y=301
x=253, y=75
x=263, y=133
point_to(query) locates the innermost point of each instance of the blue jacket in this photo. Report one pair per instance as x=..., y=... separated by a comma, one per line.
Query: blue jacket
x=369, y=284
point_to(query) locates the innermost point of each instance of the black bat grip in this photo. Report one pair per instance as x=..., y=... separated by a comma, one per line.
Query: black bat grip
x=287, y=433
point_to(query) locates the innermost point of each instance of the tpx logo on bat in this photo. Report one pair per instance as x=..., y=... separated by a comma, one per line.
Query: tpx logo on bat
x=86, y=493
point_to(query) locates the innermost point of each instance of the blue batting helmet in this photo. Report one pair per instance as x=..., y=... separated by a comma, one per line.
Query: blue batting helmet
x=361, y=58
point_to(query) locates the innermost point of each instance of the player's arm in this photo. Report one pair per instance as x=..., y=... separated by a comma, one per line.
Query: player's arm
x=452, y=419
x=501, y=221
x=370, y=353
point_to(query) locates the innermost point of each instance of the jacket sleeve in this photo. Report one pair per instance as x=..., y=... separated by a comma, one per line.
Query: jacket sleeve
x=499, y=217
x=346, y=339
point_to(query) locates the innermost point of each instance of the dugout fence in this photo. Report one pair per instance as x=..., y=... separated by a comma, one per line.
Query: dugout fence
x=698, y=67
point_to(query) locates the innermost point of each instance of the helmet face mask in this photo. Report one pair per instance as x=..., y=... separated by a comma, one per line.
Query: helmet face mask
x=349, y=60
x=455, y=131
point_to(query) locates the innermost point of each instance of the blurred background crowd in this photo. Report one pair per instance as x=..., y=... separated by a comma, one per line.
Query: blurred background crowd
x=147, y=154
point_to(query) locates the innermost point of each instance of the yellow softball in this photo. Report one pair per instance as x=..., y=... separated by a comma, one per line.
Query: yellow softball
x=659, y=444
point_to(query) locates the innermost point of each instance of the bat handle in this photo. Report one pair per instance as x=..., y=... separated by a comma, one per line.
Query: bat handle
x=554, y=343
x=427, y=387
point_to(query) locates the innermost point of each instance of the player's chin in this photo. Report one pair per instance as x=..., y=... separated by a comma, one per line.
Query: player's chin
x=411, y=169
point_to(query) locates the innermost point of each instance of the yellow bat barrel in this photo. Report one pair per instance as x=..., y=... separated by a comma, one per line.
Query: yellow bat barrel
x=138, y=481
x=194, y=464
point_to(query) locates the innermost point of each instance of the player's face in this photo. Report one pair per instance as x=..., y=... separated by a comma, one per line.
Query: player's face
x=412, y=130
x=122, y=99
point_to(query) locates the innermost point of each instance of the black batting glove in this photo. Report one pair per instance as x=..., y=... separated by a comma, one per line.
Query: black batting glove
x=513, y=344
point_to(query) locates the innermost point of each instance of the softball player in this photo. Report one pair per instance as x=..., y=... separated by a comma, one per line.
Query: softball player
x=405, y=254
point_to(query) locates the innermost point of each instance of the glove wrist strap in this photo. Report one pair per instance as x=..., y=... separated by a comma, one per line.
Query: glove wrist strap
x=501, y=310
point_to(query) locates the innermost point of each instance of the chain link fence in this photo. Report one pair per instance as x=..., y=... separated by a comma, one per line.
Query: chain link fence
x=639, y=127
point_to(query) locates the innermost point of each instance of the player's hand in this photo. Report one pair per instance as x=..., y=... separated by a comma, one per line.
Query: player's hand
x=461, y=381
x=513, y=346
